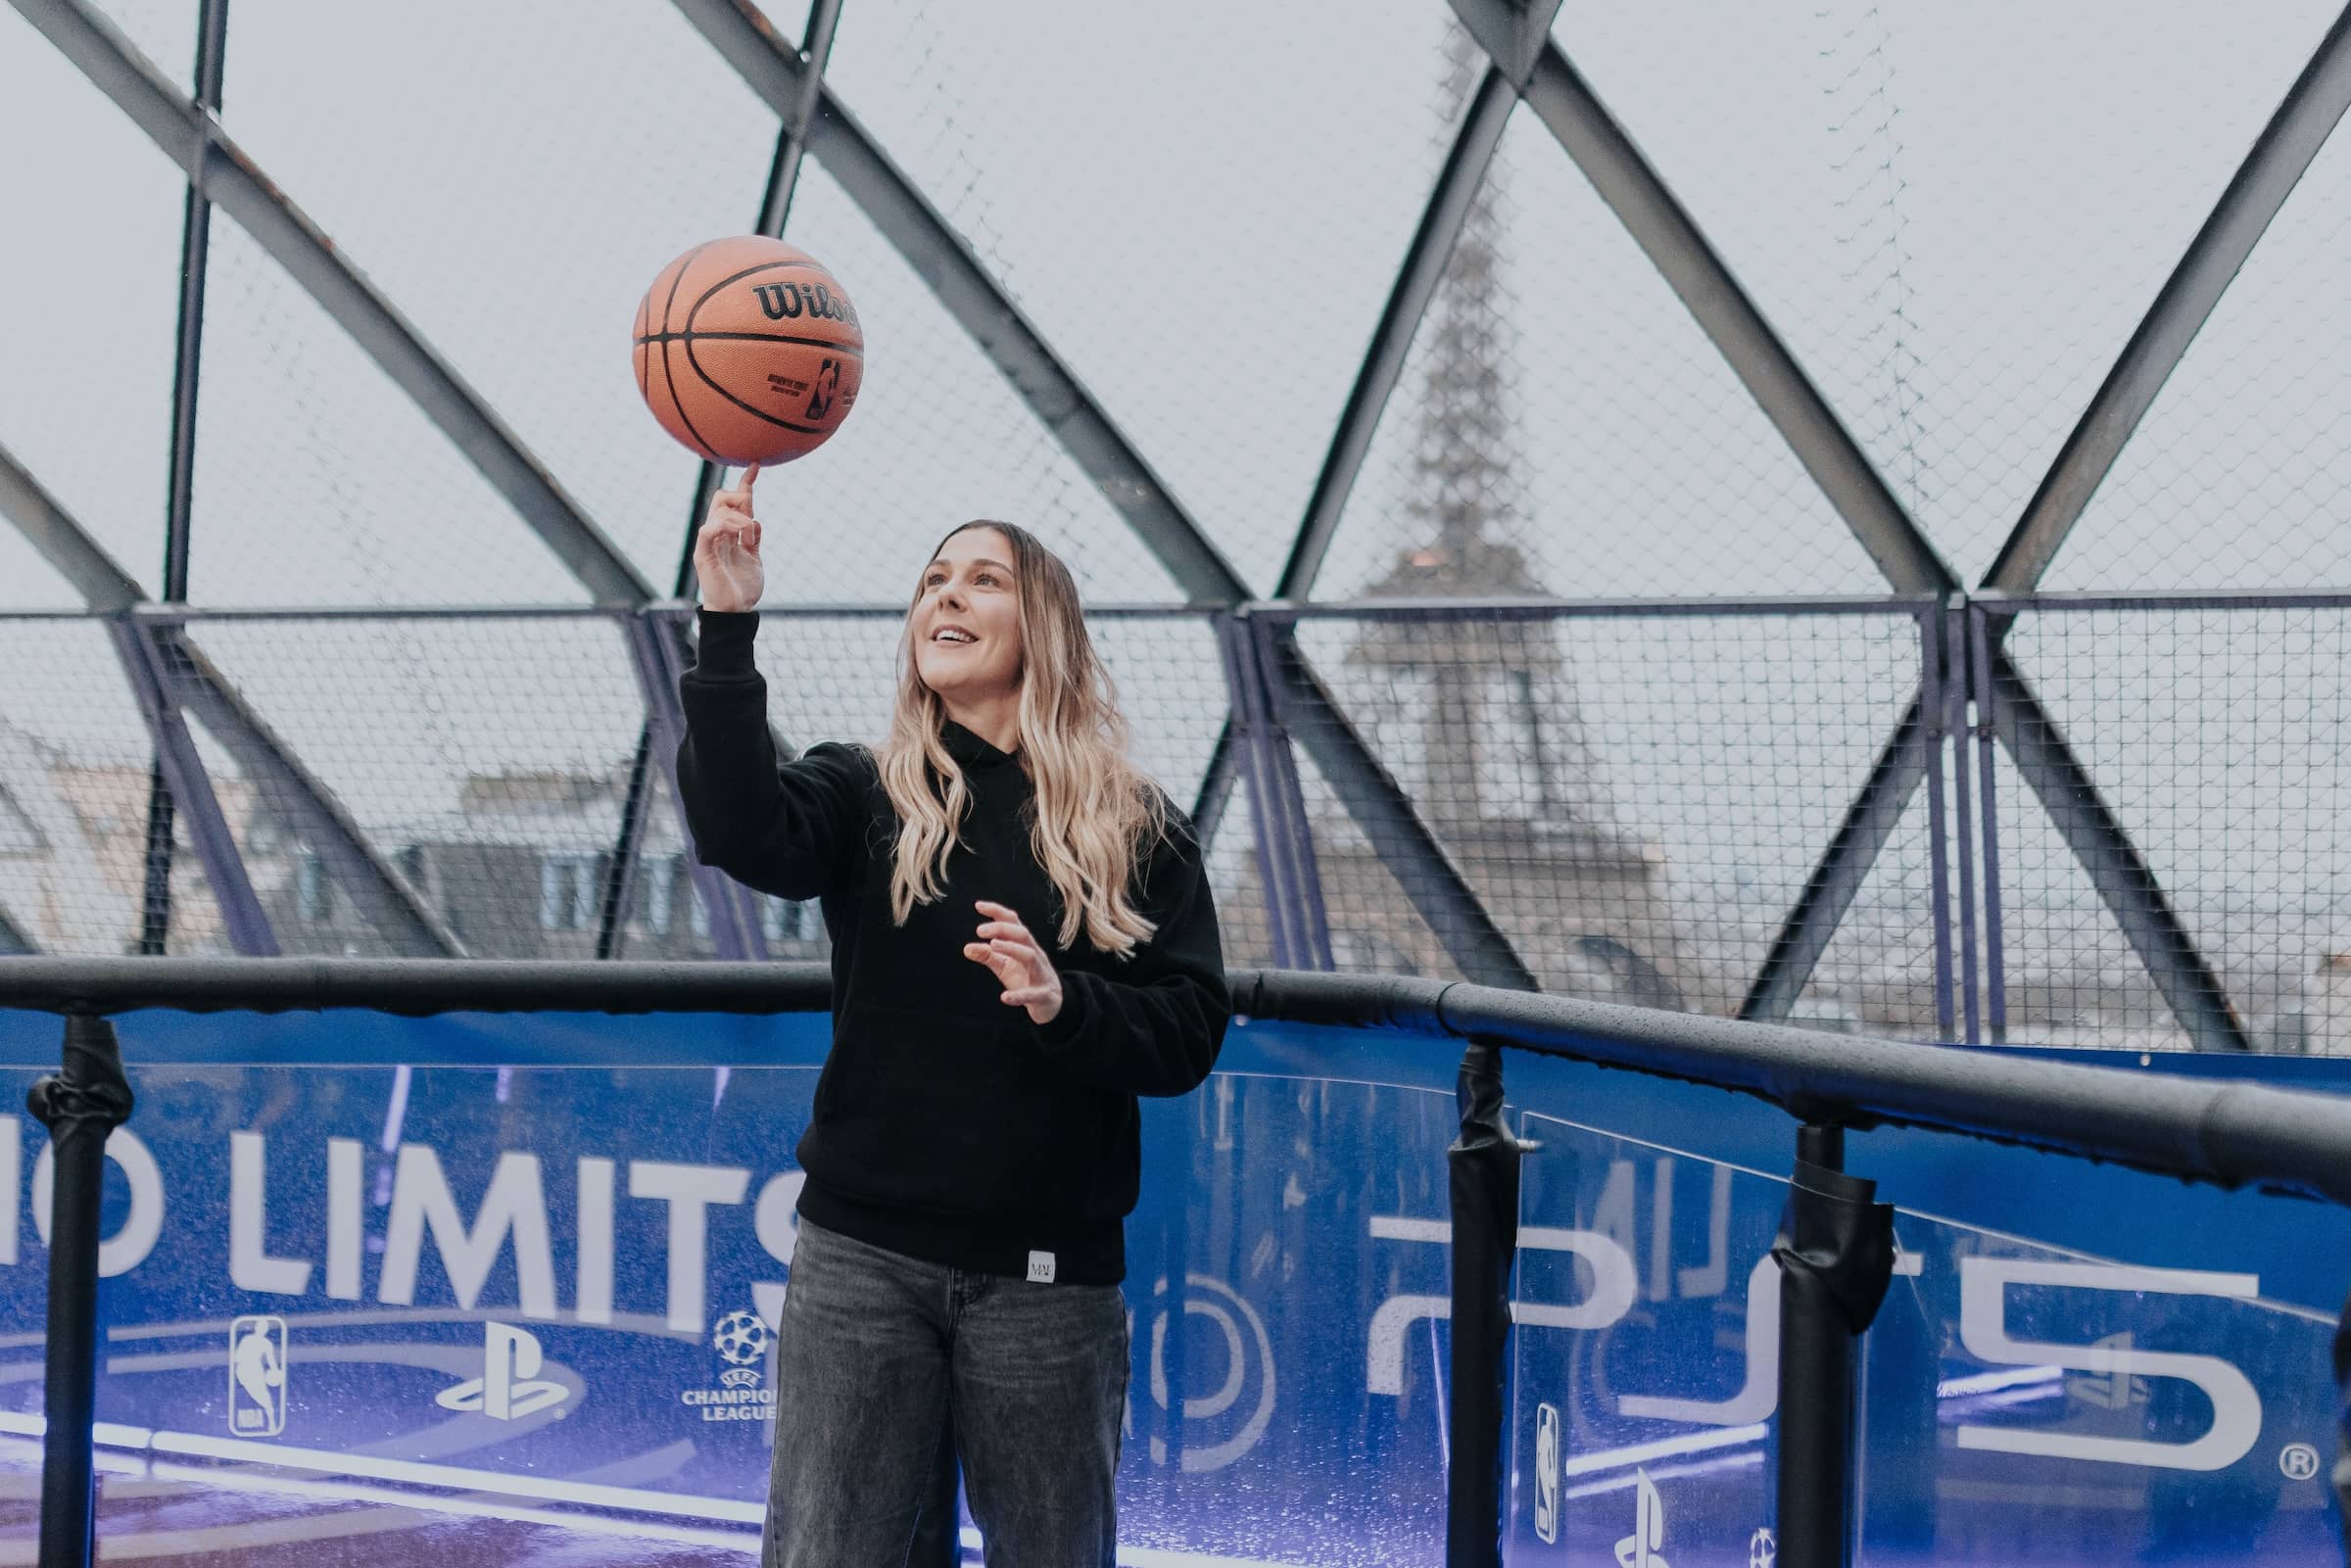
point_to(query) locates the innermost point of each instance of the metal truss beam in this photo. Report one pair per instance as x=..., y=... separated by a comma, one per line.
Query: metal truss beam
x=772, y=67
x=2283, y=151
x=1688, y=262
x=195, y=253
x=2121, y=875
x=188, y=789
x=1216, y=786
x=63, y=543
x=775, y=211
x=382, y=896
x=1415, y=286
x=193, y=138
x=1431, y=883
x=1288, y=877
x=1681, y=252
x=186, y=679
x=1830, y=890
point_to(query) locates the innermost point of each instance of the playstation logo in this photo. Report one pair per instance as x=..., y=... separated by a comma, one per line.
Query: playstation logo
x=510, y=1387
x=1640, y=1549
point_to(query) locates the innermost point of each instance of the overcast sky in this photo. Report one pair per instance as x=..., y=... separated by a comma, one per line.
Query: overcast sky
x=1954, y=214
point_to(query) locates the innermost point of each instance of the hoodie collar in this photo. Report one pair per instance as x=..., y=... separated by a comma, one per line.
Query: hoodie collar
x=968, y=749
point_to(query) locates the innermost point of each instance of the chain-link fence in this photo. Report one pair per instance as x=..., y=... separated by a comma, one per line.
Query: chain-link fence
x=2116, y=823
x=1636, y=799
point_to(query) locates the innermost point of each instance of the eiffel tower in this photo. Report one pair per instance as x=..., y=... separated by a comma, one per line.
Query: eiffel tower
x=1478, y=719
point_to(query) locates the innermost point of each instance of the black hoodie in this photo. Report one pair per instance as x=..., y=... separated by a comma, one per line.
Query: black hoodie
x=948, y=1126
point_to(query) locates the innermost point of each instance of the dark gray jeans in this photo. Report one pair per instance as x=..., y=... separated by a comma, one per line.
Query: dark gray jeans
x=882, y=1359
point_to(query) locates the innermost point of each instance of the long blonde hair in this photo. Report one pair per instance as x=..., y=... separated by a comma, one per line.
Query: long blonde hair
x=1097, y=814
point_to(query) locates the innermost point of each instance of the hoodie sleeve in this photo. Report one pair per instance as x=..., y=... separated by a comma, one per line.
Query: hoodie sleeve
x=1155, y=1024
x=788, y=828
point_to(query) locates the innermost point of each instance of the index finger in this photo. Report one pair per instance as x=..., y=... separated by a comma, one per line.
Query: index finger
x=751, y=476
x=995, y=911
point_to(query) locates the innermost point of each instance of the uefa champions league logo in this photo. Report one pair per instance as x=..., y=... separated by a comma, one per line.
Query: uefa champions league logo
x=740, y=1339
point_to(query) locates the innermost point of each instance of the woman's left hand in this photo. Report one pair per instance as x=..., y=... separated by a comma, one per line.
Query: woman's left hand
x=1017, y=960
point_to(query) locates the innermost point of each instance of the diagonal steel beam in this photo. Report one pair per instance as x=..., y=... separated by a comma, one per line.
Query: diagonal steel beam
x=2283, y=151
x=110, y=590
x=381, y=895
x=194, y=139
x=748, y=42
x=1830, y=890
x=2122, y=876
x=1688, y=262
x=1417, y=281
x=1656, y=220
x=186, y=680
x=1431, y=883
x=63, y=543
x=1216, y=782
x=188, y=788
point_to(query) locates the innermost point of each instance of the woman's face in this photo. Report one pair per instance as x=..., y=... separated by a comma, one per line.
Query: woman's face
x=967, y=622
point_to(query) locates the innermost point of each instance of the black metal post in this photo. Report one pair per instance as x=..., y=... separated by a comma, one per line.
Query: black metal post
x=1836, y=1258
x=84, y=1101
x=1979, y=683
x=2342, y=1452
x=1483, y=1163
x=195, y=248
x=1935, y=714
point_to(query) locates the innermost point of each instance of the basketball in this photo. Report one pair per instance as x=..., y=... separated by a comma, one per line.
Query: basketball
x=749, y=351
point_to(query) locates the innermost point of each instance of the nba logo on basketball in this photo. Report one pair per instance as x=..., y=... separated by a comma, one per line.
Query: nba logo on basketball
x=257, y=1376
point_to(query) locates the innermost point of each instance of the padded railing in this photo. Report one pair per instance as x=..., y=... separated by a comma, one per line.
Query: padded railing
x=1834, y=1249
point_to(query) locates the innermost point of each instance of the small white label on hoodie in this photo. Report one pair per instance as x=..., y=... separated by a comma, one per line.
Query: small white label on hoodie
x=1041, y=1268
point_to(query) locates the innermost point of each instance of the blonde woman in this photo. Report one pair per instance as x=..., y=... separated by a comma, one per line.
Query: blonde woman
x=1023, y=943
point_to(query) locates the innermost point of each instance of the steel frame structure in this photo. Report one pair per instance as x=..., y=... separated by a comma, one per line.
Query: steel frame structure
x=1970, y=691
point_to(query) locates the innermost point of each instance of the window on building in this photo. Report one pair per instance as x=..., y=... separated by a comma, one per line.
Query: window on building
x=784, y=921
x=311, y=886
x=568, y=889
x=660, y=892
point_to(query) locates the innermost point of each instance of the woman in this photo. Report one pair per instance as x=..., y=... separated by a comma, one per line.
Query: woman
x=1023, y=943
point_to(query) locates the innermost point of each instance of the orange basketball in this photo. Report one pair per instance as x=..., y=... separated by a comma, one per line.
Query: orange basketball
x=749, y=351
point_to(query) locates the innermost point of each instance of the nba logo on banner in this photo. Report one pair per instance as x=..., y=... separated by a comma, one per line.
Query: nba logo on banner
x=1547, y=1474
x=257, y=1376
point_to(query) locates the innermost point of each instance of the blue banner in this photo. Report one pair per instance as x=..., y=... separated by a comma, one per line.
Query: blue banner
x=557, y=1283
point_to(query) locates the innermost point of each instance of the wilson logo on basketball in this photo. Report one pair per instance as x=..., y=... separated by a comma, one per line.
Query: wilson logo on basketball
x=785, y=302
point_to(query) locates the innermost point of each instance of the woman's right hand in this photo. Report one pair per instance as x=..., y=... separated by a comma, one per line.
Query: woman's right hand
x=726, y=551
